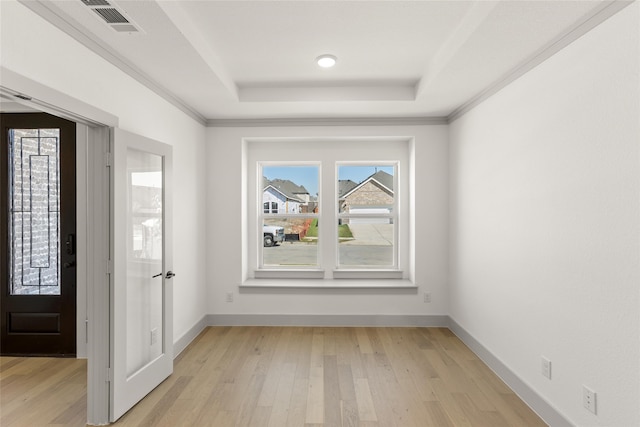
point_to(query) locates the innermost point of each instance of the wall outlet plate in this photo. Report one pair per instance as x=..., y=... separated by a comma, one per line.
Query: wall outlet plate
x=589, y=399
x=545, y=365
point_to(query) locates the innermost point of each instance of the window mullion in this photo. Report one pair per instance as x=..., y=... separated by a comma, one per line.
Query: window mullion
x=326, y=249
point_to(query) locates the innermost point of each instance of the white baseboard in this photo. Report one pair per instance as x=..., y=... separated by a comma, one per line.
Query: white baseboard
x=181, y=343
x=326, y=320
x=540, y=406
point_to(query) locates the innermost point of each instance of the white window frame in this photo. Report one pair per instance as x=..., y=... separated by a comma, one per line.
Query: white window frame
x=328, y=153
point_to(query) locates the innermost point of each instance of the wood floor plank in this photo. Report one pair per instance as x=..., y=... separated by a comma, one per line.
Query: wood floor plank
x=331, y=387
x=282, y=399
x=74, y=414
x=437, y=416
x=477, y=417
x=287, y=376
x=315, y=396
x=363, y=341
x=275, y=369
x=366, y=408
x=165, y=403
x=530, y=418
x=382, y=392
x=298, y=405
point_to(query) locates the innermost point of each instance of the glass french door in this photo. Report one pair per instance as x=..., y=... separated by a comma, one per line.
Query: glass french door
x=141, y=310
x=38, y=226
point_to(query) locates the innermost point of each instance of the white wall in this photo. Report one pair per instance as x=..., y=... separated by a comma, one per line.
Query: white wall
x=225, y=180
x=545, y=224
x=35, y=49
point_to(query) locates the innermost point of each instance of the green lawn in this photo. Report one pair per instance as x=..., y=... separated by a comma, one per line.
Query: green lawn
x=343, y=230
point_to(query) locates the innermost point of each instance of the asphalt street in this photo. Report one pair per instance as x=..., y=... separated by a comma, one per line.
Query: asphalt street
x=298, y=253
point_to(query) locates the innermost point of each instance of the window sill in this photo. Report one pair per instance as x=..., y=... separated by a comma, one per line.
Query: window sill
x=367, y=274
x=298, y=283
x=288, y=274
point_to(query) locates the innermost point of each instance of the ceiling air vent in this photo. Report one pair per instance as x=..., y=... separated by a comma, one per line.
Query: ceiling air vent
x=112, y=15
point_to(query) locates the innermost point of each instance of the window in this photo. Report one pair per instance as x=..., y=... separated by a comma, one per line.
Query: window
x=325, y=212
x=291, y=192
x=274, y=207
x=367, y=216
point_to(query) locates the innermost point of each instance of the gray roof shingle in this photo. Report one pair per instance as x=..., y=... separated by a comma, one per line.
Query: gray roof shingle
x=381, y=176
x=290, y=189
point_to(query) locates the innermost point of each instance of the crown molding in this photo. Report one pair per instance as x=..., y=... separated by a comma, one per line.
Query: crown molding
x=348, y=121
x=48, y=11
x=589, y=22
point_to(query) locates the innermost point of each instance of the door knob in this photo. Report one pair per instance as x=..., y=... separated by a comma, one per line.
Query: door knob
x=169, y=275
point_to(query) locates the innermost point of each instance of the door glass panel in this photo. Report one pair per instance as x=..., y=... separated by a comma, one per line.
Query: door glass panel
x=144, y=259
x=34, y=217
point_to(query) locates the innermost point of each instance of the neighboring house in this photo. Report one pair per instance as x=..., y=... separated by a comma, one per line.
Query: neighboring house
x=373, y=195
x=284, y=196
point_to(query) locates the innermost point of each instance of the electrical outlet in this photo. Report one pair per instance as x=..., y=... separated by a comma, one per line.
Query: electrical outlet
x=154, y=336
x=546, y=367
x=427, y=297
x=229, y=296
x=589, y=399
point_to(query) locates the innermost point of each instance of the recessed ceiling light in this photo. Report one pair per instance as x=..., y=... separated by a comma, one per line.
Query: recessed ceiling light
x=326, y=61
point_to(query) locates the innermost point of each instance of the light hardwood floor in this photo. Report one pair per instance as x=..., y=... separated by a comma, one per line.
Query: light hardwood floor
x=287, y=376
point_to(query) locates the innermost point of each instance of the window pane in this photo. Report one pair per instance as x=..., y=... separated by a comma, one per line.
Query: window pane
x=146, y=208
x=290, y=189
x=34, y=217
x=145, y=265
x=366, y=242
x=290, y=242
x=365, y=189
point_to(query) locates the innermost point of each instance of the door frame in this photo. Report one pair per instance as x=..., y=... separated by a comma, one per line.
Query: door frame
x=98, y=126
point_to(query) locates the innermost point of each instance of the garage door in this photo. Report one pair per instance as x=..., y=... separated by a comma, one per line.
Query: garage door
x=369, y=210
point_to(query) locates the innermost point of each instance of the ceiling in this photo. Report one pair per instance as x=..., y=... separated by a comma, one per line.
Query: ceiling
x=221, y=60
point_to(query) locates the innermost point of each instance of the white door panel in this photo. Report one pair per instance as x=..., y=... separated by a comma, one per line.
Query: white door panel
x=141, y=291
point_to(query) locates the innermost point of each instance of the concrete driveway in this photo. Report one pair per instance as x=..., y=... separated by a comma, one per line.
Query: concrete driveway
x=371, y=235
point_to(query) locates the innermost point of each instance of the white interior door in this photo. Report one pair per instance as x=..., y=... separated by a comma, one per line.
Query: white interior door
x=141, y=299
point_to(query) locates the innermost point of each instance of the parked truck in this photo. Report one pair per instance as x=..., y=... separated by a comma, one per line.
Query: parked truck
x=272, y=234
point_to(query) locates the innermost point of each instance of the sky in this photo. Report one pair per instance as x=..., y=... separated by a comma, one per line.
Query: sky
x=307, y=176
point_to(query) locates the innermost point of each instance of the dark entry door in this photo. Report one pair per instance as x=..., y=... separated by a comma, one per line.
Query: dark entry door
x=37, y=230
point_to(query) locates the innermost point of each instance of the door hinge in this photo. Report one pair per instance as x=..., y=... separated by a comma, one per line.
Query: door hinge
x=109, y=372
x=109, y=266
x=86, y=330
x=108, y=159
